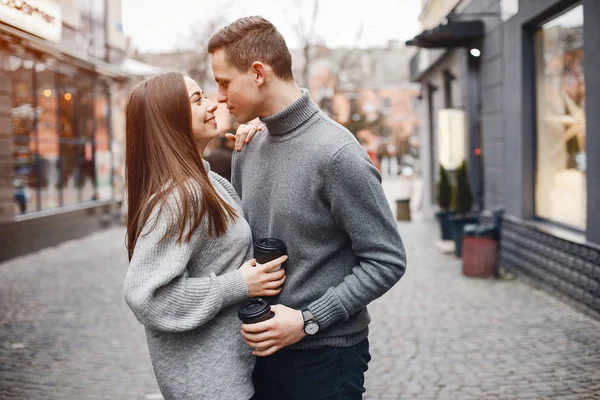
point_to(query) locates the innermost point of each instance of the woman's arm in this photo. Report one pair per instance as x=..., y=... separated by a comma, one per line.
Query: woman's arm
x=158, y=288
x=245, y=133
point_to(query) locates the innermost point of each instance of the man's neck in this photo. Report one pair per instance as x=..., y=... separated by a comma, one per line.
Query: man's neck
x=280, y=96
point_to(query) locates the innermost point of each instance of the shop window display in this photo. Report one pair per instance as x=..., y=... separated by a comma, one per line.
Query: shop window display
x=560, y=192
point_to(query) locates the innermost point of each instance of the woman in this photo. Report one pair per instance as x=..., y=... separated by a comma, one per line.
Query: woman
x=187, y=239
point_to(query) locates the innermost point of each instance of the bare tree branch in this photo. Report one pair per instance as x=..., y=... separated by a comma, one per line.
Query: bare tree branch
x=306, y=33
x=197, y=65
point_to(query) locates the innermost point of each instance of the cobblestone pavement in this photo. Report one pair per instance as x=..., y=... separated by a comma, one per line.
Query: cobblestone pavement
x=66, y=333
x=65, y=330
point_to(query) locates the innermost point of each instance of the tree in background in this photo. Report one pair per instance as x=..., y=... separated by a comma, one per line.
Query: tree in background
x=305, y=28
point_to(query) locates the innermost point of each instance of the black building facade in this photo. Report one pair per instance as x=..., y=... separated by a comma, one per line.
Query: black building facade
x=551, y=148
x=532, y=135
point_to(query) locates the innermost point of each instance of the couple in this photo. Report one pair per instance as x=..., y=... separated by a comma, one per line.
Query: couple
x=303, y=179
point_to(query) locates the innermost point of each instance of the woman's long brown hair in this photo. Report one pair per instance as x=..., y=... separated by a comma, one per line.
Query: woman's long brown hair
x=161, y=157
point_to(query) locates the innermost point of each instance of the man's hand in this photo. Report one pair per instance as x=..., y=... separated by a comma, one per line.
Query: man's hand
x=268, y=337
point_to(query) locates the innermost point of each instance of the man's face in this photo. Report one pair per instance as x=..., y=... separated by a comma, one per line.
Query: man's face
x=238, y=91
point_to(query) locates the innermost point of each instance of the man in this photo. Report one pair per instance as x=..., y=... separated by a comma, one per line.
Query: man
x=305, y=179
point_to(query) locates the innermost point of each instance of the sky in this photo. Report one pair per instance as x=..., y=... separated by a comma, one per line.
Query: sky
x=159, y=25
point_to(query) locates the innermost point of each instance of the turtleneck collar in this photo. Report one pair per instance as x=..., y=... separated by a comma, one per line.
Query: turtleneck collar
x=292, y=116
x=206, y=165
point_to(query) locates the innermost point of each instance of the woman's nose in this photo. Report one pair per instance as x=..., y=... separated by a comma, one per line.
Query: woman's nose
x=212, y=106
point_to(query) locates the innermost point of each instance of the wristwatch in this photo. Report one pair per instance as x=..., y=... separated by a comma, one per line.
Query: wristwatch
x=311, y=326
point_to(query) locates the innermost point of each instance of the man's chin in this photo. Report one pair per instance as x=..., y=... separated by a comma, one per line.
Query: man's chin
x=244, y=120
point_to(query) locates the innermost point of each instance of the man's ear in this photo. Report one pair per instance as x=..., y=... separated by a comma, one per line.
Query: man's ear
x=260, y=72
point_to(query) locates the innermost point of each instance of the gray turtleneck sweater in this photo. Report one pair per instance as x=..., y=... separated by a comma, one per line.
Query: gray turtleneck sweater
x=187, y=296
x=307, y=181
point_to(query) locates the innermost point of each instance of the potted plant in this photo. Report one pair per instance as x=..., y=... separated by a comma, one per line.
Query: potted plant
x=462, y=201
x=444, y=199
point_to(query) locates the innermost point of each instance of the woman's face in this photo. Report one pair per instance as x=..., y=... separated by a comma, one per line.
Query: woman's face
x=204, y=124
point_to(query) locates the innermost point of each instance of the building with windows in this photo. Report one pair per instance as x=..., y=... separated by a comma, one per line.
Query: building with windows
x=61, y=123
x=369, y=91
x=526, y=73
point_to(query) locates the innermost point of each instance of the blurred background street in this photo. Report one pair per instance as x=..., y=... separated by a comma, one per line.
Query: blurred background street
x=479, y=114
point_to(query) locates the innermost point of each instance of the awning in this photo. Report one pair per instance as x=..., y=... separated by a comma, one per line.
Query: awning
x=61, y=52
x=451, y=34
x=138, y=68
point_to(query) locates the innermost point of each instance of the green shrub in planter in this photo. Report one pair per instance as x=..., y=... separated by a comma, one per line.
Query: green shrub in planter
x=444, y=199
x=462, y=201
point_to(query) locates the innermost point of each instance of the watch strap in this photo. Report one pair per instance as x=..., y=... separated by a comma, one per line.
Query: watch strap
x=307, y=315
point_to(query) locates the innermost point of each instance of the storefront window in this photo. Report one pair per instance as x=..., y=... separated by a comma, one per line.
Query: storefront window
x=48, y=137
x=86, y=125
x=561, y=158
x=70, y=148
x=103, y=154
x=60, y=146
x=117, y=101
x=24, y=115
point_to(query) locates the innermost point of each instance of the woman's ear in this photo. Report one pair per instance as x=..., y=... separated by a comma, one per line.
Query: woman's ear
x=260, y=72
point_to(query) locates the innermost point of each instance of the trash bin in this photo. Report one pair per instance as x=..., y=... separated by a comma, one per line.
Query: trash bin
x=403, y=209
x=480, y=250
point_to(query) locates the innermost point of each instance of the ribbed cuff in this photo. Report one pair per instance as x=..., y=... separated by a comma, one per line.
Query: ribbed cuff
x=233, y=287
x=327, y=310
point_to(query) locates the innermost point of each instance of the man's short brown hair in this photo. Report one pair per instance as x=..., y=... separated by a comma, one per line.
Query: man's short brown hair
x=251, y=39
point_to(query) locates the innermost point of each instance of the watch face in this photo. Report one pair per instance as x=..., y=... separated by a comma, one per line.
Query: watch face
x=311, y=328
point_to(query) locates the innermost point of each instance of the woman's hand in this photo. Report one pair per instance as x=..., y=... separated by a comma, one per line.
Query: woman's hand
x=245, y=133
x=263, y=279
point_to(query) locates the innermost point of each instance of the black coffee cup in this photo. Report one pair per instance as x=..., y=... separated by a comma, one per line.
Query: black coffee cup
x=255, y=310
x=268, y=249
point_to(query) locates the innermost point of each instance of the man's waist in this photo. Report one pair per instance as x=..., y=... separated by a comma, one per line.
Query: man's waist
x=317, y=341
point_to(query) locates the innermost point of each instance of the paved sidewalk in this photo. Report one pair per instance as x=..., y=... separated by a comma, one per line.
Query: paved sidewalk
x=65, y=330
x=66, y=333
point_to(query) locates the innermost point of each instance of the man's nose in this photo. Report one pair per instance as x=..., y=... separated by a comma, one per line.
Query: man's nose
x=221, y=98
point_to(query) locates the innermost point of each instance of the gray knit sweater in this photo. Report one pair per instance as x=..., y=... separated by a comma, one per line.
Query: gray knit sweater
x=307, y=181
x=187, y=296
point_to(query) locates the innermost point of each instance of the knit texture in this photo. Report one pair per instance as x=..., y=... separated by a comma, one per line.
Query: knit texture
x=187, y=296
x=306, y=180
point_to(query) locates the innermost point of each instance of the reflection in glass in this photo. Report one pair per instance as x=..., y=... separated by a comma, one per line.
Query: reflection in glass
x=561, y=167
x=23, y=114
x=103, y=154
x=85, y=123
x=48, y=137
x=70, y=150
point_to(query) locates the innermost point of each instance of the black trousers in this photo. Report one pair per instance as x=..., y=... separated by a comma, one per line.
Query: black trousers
x=330, y=373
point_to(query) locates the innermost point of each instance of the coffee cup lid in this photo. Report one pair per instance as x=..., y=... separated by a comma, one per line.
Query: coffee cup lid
x=254, y=308
x=269, y=244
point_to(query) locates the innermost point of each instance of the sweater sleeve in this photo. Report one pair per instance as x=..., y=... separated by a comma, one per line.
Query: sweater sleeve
x=228, y=186
x=236, y=172
x=158, y=288
x=360, y=208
